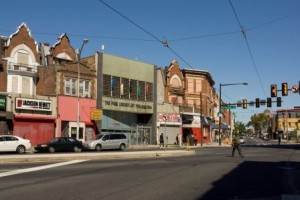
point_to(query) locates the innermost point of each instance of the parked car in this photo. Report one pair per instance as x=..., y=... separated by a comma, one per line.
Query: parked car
x=12, y=143
x=108, y=141
x=60, y=144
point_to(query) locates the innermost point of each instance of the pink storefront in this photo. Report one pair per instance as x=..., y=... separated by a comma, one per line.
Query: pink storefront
x=67, y=120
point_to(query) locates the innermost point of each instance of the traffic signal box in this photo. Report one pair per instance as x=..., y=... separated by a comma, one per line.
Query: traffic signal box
x=273, y=90
x=257, y=102
x=284, y=89
x=245, y=103
x=278, y=102
x=269, y=102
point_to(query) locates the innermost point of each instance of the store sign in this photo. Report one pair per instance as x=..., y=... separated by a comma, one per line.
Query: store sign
x=2, y=103
x=33, y=104
x=96, y=114
x=127, y=105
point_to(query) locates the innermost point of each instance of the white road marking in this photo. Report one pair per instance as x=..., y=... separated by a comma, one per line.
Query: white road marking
x=32, y=169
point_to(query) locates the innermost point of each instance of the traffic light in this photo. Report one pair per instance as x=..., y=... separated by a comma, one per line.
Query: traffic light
x=245, y=103
x=278, y=101
x=284, y=89
x=273, y=90
x=257, y=102
x=269, y=102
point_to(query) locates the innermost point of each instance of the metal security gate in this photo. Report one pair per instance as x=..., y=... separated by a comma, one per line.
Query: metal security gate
x=141, y=135
x=170, y=133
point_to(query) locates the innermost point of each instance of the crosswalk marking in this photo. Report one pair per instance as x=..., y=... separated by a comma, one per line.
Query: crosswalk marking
x=32, y=169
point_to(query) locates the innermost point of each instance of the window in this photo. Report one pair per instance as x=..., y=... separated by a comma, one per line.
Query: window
x=25, y=85
x=71, y=87
x=190, y=85
x=21, y=84
x=86, y=89
x=198, y=86
x=68, y=86
x=81, y=88
x=175, y=83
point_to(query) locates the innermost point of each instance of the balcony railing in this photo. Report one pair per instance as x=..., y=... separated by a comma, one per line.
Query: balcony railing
x=22, y=67
x=177, y=90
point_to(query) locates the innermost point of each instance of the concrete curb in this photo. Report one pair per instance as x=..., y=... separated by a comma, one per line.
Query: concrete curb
x=93, y=156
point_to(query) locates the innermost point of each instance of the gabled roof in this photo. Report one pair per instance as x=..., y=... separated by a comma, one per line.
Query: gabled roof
x=59, y=40
x=18, y=30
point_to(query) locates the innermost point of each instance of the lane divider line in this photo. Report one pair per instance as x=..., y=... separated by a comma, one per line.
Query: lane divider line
x=32, y=169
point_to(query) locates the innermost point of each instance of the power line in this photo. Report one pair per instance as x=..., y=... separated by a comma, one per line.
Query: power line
x=164, y=42
x=248, y=47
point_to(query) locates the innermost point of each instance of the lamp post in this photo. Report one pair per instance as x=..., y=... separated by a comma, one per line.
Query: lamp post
x=201, y=140
x=78, y=93
x=220, y=102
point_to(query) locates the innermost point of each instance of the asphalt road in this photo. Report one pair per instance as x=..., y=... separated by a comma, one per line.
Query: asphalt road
x=267, y=172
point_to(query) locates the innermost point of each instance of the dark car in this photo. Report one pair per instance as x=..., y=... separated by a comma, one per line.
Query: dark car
x=60, y=144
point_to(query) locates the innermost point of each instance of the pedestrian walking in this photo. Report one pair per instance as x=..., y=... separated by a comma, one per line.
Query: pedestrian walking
x=161, y=140
x=279, y=139
x=236, y=145
x=177, y=140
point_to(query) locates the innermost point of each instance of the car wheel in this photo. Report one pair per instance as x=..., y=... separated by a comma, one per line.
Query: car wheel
x=76, y=149
x=98, y=147
x=122, y=147
x=51, y=149
x=20, y=149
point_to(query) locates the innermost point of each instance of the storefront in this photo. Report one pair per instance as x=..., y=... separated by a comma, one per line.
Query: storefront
x=193, y=130
x=125, y=93
x=68, y=123
x=5, y=116
x=34, y=119
x=170, y=125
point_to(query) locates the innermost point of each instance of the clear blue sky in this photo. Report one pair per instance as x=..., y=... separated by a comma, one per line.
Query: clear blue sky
x=205, y=33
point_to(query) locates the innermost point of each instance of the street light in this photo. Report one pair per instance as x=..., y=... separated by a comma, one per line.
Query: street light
x=78, y=95
x=220, y=102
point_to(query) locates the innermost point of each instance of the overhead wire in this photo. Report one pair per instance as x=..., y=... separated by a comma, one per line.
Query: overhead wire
x=248, y=47
x=164, y=42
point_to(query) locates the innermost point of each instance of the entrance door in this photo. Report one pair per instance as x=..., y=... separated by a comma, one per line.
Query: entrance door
x=143, y=135
x=77, y=132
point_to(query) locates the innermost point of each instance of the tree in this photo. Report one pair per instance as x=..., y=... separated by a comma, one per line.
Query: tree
x=259, y=121
x=240, y=127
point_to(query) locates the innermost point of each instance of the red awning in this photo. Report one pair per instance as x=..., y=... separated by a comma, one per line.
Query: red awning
x=89, y=123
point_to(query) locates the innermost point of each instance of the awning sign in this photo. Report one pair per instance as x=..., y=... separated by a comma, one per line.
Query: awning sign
x=33, y=104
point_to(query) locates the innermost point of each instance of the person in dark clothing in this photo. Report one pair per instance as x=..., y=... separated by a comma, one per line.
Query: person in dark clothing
x=177, y=140
x=279, y=139
x=236, y=145
x=161, y=140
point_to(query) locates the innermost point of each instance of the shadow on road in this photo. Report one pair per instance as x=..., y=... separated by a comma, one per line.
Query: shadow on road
x=257, y=180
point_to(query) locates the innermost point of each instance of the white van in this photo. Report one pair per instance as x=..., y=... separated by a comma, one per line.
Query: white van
x=108, y=141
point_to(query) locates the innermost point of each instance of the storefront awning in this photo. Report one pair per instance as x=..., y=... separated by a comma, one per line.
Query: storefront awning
x=35, y=117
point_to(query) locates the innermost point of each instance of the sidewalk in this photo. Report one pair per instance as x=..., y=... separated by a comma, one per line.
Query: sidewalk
x=134, y=151
x=57, y=157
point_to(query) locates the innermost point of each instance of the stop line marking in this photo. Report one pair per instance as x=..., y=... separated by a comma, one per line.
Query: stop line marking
x=32, y=169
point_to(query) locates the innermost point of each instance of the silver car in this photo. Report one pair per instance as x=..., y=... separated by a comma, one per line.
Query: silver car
x=242, y=139
x=108, y=141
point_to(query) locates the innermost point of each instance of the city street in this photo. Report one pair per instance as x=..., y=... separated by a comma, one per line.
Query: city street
x=266, y=172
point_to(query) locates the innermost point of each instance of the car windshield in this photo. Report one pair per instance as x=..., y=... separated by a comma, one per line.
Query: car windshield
x=99, y=136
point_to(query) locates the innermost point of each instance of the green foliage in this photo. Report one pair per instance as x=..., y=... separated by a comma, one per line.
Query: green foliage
x=240, y=127
x=258, y=121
